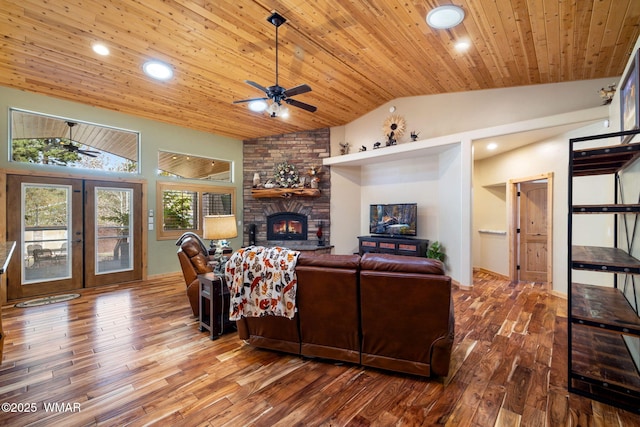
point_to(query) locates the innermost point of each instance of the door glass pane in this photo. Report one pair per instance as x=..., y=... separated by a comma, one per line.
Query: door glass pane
x=114, y=222
x=45, y=226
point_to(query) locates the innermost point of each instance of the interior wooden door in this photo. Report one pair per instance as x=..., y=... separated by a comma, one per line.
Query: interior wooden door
x=44, y=218
x=533, y=231
x=113, y=236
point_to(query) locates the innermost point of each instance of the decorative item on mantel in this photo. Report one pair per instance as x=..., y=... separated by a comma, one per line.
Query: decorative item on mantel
x=287, y=182
x=344, y=148
x=286, y=175
x=256, y=180
x=314, y=171
x=414, y=135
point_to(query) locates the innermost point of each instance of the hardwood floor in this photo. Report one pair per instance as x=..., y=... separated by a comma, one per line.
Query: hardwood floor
x=133, y=355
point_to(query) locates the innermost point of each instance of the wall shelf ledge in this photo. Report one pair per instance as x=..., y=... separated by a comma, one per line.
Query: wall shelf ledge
x=259, y=193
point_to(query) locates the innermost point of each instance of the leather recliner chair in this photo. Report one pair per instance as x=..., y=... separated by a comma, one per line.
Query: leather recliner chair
x=194, y=260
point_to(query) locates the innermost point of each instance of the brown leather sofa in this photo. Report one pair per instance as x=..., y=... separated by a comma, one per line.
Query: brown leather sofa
x=385, y=311
x=194, y=260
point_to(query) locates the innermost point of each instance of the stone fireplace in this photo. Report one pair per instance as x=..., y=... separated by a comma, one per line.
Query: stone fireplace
x=302, y=149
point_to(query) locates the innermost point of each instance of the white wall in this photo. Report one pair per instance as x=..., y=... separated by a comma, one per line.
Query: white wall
x=491, y=111
x=450, y=113
x=345, y=209
x=490, y=248
x=426, y=181
x=491, y=205
x=450, y=209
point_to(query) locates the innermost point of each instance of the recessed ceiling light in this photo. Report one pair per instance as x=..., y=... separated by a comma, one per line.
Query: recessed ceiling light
x=443, y=17
x=100, y=49
x=492, y=146
x=462, y=45
x=157, y=70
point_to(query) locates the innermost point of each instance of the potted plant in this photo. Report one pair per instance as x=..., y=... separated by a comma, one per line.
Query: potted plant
x=435, y=251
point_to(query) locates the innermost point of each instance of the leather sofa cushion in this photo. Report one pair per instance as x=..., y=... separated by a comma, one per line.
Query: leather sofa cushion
x=329, y=260
x=328, y=306
x=400, y=264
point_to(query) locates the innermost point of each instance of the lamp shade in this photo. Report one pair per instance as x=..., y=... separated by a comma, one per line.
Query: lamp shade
x=219, y=227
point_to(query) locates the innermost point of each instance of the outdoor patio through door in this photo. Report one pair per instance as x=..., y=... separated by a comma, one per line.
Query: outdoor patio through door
x=71, y=233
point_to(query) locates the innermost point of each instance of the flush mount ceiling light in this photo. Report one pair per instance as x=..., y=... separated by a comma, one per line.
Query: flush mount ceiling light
x=445, y=17
x=157, y=70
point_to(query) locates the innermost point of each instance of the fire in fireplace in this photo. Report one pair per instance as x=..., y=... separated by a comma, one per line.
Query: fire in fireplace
x=287, y=226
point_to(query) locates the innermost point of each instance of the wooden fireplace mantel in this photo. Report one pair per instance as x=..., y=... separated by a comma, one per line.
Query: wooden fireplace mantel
x=284, y=192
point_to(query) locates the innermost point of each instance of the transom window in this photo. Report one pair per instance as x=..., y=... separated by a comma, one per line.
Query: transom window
x=55, y=141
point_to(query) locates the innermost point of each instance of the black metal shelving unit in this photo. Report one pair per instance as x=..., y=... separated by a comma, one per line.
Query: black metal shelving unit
x=604, y=326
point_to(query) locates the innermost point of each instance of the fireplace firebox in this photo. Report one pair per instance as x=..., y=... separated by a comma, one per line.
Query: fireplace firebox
x=286, y=226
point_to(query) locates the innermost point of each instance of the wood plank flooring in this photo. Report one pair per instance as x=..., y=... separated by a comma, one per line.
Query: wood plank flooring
x=133, y=355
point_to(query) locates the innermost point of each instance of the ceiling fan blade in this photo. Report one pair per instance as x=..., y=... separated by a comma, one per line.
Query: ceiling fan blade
x=302, y=105
x=298, y=90
x=88, y=153
x=257, y=86
x=250, y=100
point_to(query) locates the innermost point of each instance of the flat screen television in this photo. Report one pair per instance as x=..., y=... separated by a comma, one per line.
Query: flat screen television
x=397, y=219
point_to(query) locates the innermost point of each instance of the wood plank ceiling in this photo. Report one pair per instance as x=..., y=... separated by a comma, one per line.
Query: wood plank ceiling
x=355, y=54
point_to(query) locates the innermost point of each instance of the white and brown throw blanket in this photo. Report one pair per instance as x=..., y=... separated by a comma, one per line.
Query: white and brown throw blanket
x=262, y=281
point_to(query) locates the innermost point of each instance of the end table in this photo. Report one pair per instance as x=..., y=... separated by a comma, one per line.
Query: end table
x=214, y=305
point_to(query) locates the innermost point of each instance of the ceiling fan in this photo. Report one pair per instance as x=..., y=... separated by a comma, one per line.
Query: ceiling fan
x=276, y=93
x=72, y=148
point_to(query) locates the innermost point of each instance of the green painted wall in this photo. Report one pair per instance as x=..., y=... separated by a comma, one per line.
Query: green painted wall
x=154, y=136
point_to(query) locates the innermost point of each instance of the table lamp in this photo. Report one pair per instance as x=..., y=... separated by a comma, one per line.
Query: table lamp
x=220, y=228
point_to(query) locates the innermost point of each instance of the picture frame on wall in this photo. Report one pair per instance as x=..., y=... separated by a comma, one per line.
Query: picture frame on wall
x=629, y=99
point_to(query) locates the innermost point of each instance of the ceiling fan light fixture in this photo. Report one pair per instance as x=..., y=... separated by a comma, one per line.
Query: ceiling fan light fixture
x=273, y=109
x=258, y=105
x=276, y=93
x=278, y=110
x=157, y=70
x=445, y=17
